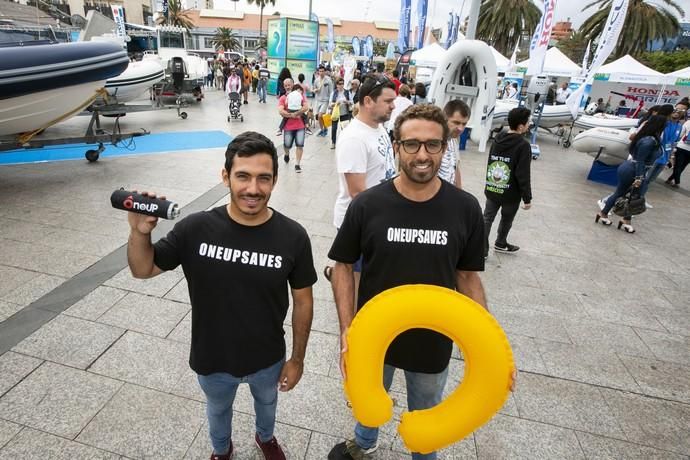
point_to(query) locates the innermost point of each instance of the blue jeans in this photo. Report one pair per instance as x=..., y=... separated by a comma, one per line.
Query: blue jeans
x=626, y=177
x=423, y=391
x=261, y=90
x=220, y=390
x=652, y=174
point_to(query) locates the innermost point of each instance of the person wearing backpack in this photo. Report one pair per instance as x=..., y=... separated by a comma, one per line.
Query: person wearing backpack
x=340, y=106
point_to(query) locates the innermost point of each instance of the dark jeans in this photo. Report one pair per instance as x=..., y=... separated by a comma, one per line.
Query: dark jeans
x=508, y=212
x=334, y=127
x=626, y=177
x=682, y=160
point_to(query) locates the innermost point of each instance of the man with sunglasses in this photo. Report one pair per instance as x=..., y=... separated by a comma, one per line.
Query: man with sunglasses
x=364, y=154
x=414, y=229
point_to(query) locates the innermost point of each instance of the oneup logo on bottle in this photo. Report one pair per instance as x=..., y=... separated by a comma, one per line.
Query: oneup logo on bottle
x=129, y=203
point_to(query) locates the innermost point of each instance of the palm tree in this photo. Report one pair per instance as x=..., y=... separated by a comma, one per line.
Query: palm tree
x=574, y=46
x=226, y=39
x=502, y=22
x=177, y=16
x=644, y=22
x=262, y=4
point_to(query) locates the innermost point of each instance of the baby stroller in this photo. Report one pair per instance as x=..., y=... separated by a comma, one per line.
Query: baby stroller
x=235, y=106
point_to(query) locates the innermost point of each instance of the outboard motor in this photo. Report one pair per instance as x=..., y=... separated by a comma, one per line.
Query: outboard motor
x=178, y=71
x=537, y=90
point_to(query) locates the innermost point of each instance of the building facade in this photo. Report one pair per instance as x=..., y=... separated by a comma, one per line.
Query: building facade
x=136, y=11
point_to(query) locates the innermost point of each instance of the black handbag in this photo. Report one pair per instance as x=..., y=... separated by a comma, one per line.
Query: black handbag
x=630, y=204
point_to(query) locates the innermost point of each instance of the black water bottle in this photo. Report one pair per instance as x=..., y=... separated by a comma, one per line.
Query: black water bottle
x=136, y=202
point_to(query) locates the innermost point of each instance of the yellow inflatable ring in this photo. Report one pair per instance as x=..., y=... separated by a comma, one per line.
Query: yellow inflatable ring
x=488, y=363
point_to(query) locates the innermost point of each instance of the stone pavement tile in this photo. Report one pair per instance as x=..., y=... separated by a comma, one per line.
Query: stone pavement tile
x=317, y=228
x=461, y=450
x=526, y=353
x=13, y=368
x=292, y=439
x=502, y=298
x=567, y=404
x=675, y=321
x=188, y=386
x=158, y=286
x=325, y=317
x=322, y=289
x=8, y=309
x=146, y=314
x=183, y=330
x=7, y=432
x=531, y=323
x=613, y=449
x=660, y=378
x=667, y=347
x=680, y=288
x=320, y=444
x=70, y=341
x=44, y=259
x=322, y=351
x=142, y=423
x=506, y=275
x=651, y=422
x=28, y=232
x=86, y=242
x=180, y=293
x=549, y=301
x=11, y=278
x=606, y=337
x=95, y=303
x=586, y=364
x=623, y=310
x=57, y=399
x=144, y=360
x=33, y=290
x=37, y=444
x=516, y=438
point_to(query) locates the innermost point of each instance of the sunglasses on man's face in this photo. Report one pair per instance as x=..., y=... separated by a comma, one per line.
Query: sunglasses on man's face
x=370, y=83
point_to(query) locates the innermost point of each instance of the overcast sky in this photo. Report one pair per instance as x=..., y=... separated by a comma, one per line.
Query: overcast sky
x=389, y=10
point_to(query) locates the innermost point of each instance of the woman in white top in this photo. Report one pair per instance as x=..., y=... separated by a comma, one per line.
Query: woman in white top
x=401, y=102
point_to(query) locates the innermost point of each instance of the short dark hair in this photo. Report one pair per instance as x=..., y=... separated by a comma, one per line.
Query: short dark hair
x=373, y=86
x=248, y=144
x=395, y=74
x=420, y=89
x=666, y=110
x=518, y=116
x=321, y=67
x=427, y=112
x=457, y=105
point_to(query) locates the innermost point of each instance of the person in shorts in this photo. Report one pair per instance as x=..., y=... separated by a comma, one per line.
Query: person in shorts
x=294, y=127
x=323, y=88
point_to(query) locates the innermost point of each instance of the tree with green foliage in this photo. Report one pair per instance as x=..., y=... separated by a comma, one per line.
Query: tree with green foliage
x=666, y=62
x=644, y=22
x=262, y=4
x=226, y=39
x=502, y=22
x=177, y=16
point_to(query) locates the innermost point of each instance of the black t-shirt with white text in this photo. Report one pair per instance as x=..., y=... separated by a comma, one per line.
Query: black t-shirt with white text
x=407, y=242
x=238, y=280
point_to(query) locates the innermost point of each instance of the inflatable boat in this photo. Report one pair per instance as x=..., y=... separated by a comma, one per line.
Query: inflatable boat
x=135, y=80
x=43, y=83
x=552, y=115
x=467, y=71
x=613, y=144
x=601, y=120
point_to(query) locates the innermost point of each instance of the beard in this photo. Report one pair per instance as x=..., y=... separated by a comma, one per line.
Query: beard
x=420, y=176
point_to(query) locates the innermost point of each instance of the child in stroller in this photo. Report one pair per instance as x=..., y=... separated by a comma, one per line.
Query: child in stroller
x=235, y=105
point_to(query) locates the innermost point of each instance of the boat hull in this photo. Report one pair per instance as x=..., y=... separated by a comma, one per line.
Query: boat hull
x=552, y=115
x=605, y=121
x=134, y=81
x=38, y=110
x=613, y=142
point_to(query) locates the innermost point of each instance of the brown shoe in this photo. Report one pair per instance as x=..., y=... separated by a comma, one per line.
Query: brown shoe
x=271, y=449
x=227, y=456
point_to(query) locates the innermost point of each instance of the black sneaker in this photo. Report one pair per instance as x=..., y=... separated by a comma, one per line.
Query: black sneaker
x=298, y=168
x=506, y=248
x=227, y=456
x=349, y=450
x=286, y=158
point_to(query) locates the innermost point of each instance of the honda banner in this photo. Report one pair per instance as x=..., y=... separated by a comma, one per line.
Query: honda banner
x=540, y=39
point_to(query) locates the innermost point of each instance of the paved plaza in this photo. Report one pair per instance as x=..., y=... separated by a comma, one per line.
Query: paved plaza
x=94, y=364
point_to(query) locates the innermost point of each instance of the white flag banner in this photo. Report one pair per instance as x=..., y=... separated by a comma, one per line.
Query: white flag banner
x=585, y=59
x=540, y=39
x=119, y=18
x=607, y=43
x=513, y=58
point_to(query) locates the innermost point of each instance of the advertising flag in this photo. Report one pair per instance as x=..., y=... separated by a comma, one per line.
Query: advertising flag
x=607, y=43
x=456, y=27
x=370, y=46
x=355, y=46
x=422, y=6
x=165, y=8
x=449, y=35
x=540, y=39
x=331, y=41
x=119, y=18
x=513, y=58
x=404, y=28
x=585, y=59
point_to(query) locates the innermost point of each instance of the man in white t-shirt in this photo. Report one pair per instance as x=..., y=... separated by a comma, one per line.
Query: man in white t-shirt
x=562, y=94
x=458, y=114
x=364, y=153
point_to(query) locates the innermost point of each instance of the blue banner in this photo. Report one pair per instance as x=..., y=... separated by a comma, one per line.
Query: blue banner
x=370, y=46
x=449, y=35
x=422, y=6
x=331, y=41
x=404, y=28
x=355, y=46
x=456, y=27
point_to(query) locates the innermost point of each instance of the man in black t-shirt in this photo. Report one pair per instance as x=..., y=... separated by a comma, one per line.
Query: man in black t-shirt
x=414, y=229
x=238, y=260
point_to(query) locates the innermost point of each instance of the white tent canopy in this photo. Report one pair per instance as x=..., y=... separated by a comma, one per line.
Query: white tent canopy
x=556, y=64
x=429, y=56
x=682, y=73
x=502, y=62
x=628, y=70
